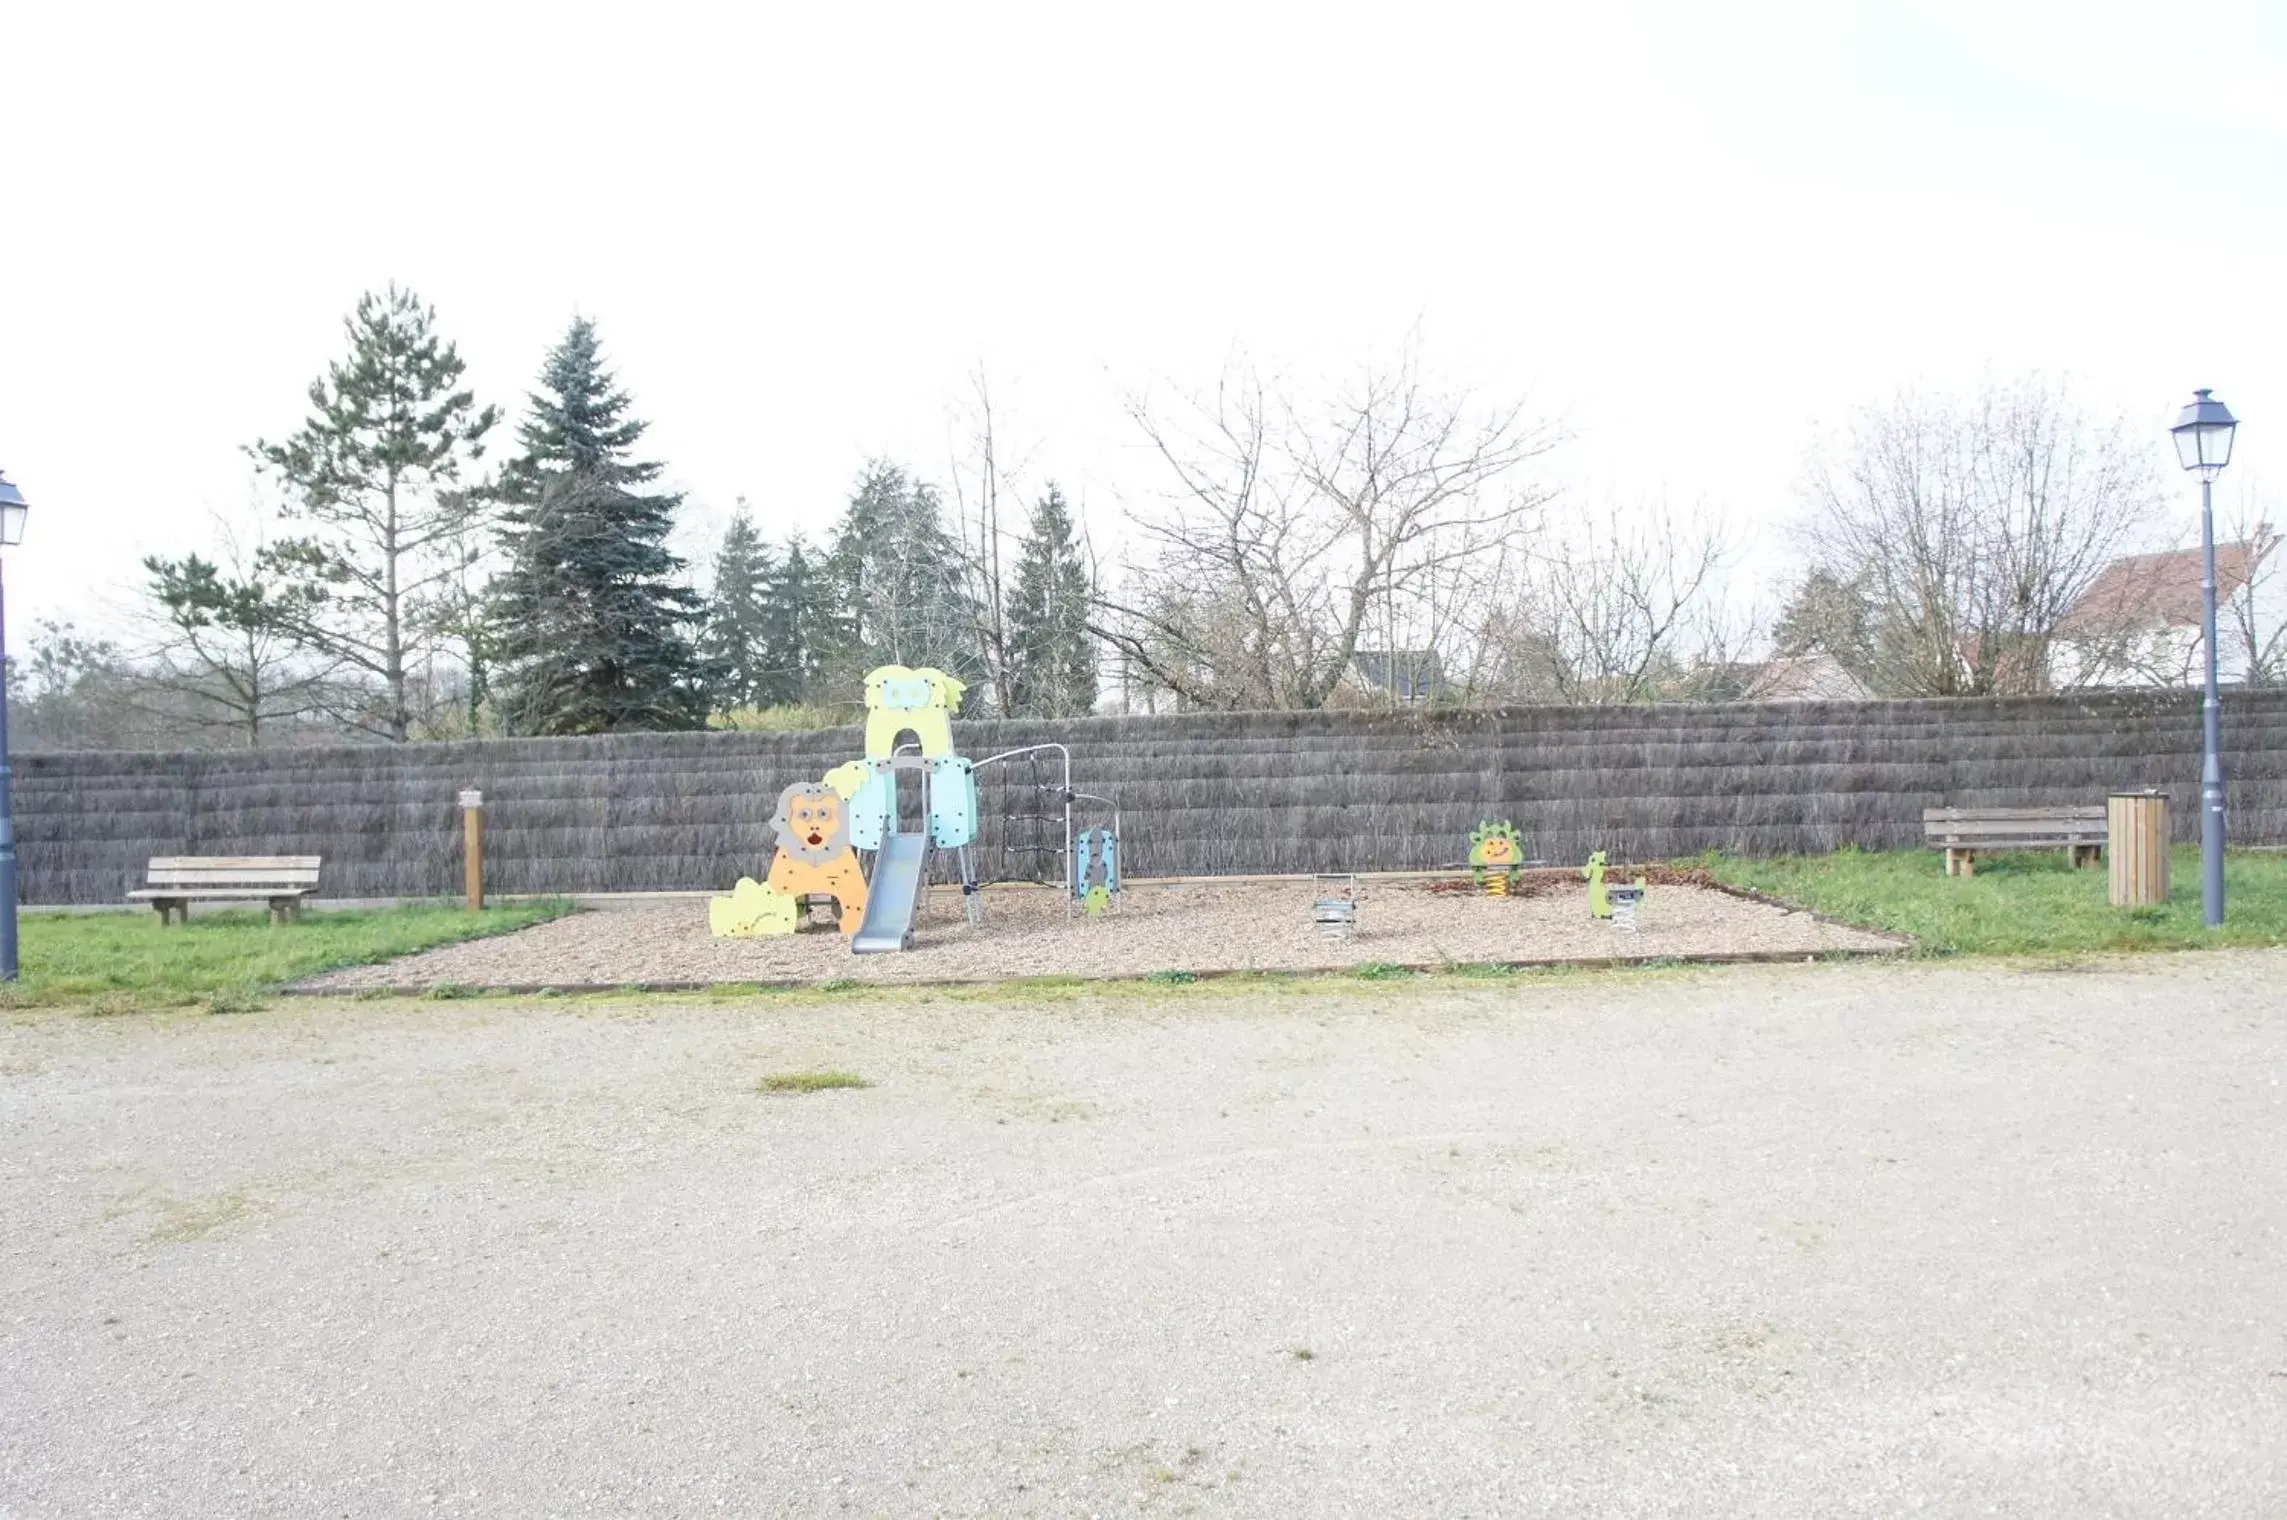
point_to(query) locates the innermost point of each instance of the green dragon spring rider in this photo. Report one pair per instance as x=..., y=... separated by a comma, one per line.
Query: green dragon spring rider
x=1495, y=855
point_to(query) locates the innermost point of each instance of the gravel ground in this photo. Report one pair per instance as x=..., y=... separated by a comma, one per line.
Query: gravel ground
x=1256, y=927
x=1859, y=1239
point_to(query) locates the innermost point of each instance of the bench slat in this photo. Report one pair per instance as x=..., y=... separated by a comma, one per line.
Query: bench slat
x=236, y=862
x=2094, y=813
x=230, y=879
x=215, y=894
x=2012, y=825
x=2013, y=830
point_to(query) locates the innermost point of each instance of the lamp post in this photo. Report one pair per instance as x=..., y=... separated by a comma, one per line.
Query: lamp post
x=2203, y=443
x=13, y=510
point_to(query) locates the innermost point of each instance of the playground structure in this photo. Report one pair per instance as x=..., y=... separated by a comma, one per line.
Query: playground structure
x=1599, y=901
x=1496, y=855
x=822, y=827
x=911, y=795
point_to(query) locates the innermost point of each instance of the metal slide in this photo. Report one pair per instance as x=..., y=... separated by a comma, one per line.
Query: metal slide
x=894, y=895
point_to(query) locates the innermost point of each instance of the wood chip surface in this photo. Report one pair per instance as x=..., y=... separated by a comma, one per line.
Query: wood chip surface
x=1252, y=926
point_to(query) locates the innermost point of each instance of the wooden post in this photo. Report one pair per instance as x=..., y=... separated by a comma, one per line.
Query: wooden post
x=472, y=847
x=2136, y=826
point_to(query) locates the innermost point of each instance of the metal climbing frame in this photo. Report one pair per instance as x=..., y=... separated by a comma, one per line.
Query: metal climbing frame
x=1069, y=796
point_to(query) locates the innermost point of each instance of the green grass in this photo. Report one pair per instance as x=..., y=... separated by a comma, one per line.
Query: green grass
x=810, y=1081
x=2027, y=903
x=227, y=960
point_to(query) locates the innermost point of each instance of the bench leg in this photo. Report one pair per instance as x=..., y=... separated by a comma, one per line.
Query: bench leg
x=1969, y=862
x=277, y=913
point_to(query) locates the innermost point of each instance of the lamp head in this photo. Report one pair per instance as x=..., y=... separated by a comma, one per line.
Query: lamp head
x=13, y=510
x=2203, y=433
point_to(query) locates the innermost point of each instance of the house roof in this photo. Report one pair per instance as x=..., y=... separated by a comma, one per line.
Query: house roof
x=1814, y=676
x=2148, y=591
x=1409, y=674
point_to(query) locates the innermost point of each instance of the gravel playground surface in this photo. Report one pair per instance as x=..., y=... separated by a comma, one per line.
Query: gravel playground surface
x=1258, y=926
x=1862, y=1239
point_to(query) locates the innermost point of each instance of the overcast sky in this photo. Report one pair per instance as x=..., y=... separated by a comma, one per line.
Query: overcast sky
x=1697, y=234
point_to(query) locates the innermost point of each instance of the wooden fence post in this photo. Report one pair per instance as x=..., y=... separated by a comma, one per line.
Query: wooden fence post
x=472, y=847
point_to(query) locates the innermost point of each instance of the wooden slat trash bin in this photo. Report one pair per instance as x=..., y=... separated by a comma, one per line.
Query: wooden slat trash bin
x=2136, y=829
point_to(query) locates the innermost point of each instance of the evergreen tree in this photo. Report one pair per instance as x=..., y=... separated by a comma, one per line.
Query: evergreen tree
x=593, y=614
x=801, y=629
x=737, y=640
x=1053, y=657
x=375, y=471
x=229, y=645
x=578, y=422
x=593, y=608
x=897, y=578
x=1829, y=613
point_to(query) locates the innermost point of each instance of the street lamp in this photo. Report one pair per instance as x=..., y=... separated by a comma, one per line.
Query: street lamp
x=2203, y=433
x=13, y=510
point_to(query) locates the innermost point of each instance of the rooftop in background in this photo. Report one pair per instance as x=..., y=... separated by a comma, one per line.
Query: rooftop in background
x=1813, y=675
x=1407, y=675
x=2139, y=592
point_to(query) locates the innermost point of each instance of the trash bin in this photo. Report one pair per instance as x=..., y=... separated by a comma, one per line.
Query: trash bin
x=2136, y=847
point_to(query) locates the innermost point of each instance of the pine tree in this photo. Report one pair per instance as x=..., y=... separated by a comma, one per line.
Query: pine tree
x=1053, y=656
x=228, y=650
x=736, y=641
x=897, y=577
x=376, y=472
x=593, y=608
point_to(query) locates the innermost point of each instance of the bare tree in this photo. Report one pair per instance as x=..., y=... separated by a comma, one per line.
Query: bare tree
x=1624, y=607
x=1291, y=529
x=454, y=699
x=2251, y=629
x=983, y=474
x=1974, y=525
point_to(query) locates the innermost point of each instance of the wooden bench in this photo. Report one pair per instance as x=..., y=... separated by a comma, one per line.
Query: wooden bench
x=174, y=882
x=1965, y=833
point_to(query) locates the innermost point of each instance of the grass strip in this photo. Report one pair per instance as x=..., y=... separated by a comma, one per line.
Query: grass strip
x=229, y=960
x=2021, y=903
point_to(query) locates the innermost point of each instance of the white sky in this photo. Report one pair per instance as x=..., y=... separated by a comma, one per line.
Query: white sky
x=1694, y=233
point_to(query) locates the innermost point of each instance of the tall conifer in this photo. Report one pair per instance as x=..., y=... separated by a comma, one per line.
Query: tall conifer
x=595, y=610
x=1053, y=664
x=736, y=641
x=376, y=472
